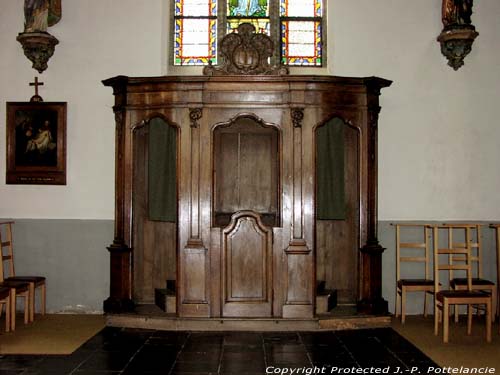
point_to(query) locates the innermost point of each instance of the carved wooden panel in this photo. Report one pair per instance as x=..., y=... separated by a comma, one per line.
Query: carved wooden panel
x=194, y=266
x=246, y=171
x=247, y=266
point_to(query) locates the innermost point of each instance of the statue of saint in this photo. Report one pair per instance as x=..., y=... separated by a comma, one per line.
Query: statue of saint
x=40, y=14
x=456, y=12
x=465, y=12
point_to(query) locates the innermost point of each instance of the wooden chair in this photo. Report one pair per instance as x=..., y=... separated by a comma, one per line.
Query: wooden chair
x=405, y=285
x=5, y=298
x=478, y=282
x=497, y=236
x=33, y=281
x=16, y=289
x=443, y=299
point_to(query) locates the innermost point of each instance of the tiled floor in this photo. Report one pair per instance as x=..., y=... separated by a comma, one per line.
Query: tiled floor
x=130, y=351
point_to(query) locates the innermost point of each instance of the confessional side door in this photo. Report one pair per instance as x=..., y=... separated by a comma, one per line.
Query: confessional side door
x=154, y=207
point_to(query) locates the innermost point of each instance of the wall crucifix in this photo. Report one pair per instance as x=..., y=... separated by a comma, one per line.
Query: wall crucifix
x=36, y=97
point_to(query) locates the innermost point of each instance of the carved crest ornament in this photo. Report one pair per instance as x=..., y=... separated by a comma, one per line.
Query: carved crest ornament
x=245, y=52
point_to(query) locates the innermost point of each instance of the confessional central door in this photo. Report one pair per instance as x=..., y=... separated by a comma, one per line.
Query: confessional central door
x=246, y=210
x=247, y=267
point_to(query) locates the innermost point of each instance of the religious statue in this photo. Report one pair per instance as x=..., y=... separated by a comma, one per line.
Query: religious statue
x=40, y=14
x=457, y=12
x=246, y=7
x=458, y=33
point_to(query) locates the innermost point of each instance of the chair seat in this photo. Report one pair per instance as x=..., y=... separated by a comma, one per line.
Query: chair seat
x=38, y=280
x=4, y=292
x=415, y=282
x=20, y=286
x=475, y=281
x=460, y=294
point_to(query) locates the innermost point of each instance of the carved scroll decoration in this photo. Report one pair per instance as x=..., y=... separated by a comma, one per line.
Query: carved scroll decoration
x=245, y=52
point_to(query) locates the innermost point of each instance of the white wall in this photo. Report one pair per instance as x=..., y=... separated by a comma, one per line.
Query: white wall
x=438, y=127
x=97, y=40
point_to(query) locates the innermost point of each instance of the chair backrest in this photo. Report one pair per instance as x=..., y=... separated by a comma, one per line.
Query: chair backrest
x=421, y=248
x=456, y=230
x=452, y=251
x=6, y=249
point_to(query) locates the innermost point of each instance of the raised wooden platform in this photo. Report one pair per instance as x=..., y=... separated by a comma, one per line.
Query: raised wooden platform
x=151, y=317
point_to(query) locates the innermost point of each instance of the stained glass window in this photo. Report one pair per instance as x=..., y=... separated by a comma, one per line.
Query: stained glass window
x=255, y=12
x=295, y=25
x=195, y=32
x=301, y=32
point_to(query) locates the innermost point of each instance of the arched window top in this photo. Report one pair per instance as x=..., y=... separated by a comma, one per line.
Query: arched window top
x=295, y=26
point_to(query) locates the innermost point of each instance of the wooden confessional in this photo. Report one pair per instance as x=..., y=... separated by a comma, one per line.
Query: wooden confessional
x=246, y=186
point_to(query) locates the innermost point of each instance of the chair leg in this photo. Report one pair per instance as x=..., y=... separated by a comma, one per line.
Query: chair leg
x=32, y=302
x=7, y=314
x=27, y=308
x=469, y=319
x=436, y=320
x=446, y=321
x=396, y=304
x=493, y=303
x=13, y=309
x=488, y=321
x=44, y=297
x=403, y=305
x=455, y=309
x=425, y=304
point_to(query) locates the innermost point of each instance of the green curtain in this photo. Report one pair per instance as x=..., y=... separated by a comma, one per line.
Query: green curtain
x=330, y=184
x=162, y=171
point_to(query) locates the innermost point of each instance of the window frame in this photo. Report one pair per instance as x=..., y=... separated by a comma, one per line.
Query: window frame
x=275, y=33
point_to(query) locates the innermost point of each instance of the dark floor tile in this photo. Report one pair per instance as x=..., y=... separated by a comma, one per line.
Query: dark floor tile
x=106, y=361
x=243, y=339
x=285, y=348
x=11, y=372
x=281, y=337
x=95, y=372
x=196, y=367
x=240, y=356
x=151, y=361
x=172, y=339
x=287, y=357
x=193, y=346
x=199, y=356
x=318, y=338
x=59, y=364
x=142, y=372
x=18, y=362
x=243, y=367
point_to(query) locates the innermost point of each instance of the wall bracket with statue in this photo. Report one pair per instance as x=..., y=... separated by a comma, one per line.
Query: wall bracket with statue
x=38, y=44
x=458, y=33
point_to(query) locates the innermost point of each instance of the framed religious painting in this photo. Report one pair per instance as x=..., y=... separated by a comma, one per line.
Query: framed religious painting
x=36, y=143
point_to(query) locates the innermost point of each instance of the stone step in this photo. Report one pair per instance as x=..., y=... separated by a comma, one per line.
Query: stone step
x=165, y=299
x=326, y=300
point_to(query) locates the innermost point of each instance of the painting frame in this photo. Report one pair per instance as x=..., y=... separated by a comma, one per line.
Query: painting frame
x=36, y=143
